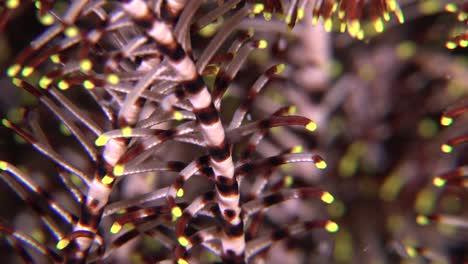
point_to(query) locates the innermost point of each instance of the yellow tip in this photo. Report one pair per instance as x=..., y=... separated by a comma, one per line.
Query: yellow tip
x=86, y=65
x=411, y=251
x=126, y=131
x=183, y=241
x=16, y=81
x=327, y=198
x=47, y=19
x=328, y=25
x=88, y=85
x=63, y=243
x=176, y=212
x=292, y=110
x=297, y=149
x=332, y=227
x=439, y=182
x=115, y=228
x=180, y=192
x=178, y=116
x=3, y=165
x=321, y=165
x=71, y=32
x=280, y=68
x=267, y=16
x=450, y=45
x=446, y=148
x=6, y=123
x=13, y=70
x=101, y=141
x=378, y=25
x=446, y=121
x=63, y=85
x=12, y=4
x=44, y=82
x=118, y=170
x=311, y=126
x=262, y=44
x=28, y=70
x=113, y=79
x=451, y=8
x=107, y=179
x=258, y=8
x=422, y=220
x=55, y=58
x=288, y=180
x=182, y=261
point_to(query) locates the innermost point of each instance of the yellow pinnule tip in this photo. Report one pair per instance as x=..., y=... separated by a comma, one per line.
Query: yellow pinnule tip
x=450, y=45
x=55, y=58
x=446, y=121
x=321, y=165
x=16, y=82
x=463, y=43
x=107, y=179
x=176, y=212
x=88, y=84
x=47, y=19
x=3, y=165
x=451, y=8
x=297, y=149
x=300, y=13
x=115, y=228
x=446, y=148
x=6, y=123
x=12, y=4
x=28, y=70
x=332, y=227
x=180, y=192
x=113, y=79
x=280, y=68
x=13, y=70
x=258, y=8
x=63, y=243
x=126, y=131
x=326, y=197
x=378, y=25
x=411, y=251
x=288, y=180
x=439, y=182
x=63, y=85
x=262, y=44
x=178, y=115
x=101, y=141
x=44, y=82
x=328, y=25
x=311, y=126
x=292, y=110
x=422, y=220
x=86, y=65
x=182, y=261
x=183, y=241
x=118, y=170
x=71, y=32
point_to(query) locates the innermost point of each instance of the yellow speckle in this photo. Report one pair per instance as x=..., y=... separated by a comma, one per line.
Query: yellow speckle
x=115, y=228
x=118, y=170
x=300, y=13
x=332, y=227
x=292, y=110
x=378, y=25
x=311, y=126
x=183, y=241
x=63, y=243
x=101, y=141
x=342, y=27
x=113, y=79
x=178, y=115
x=267, y=16
x=258, y=8
x=71, y=32
x=450, y=45
x=28, y=70
x=321, y=164
x=12, y=4
x=439, y=182
x=176, y=212
x=44, y=82
x=451, y=7
x=86, y=65
x=16, y=82
x=88, y=85
x=328, y=25
x=446, y=148
x=297, y=149
x=463, y=43
x=262, y=44
x=411, y=251
x=446, y=121
x=209, y=30
x=107, y=179
x=13, y=70
x=180, y=192
x=127, y=131
x=3, y=165
x=55, y=58
x=63, y=85
x=47, y=19
x=182, y=261
x=288, y=181
x=280, y=68
x=422, y=220
x=327, y=198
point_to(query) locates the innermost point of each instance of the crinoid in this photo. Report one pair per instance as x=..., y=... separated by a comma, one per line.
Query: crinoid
x=140, y=99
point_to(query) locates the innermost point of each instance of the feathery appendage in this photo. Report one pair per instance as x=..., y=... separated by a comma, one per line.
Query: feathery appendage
x=152, y=107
